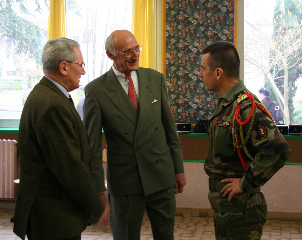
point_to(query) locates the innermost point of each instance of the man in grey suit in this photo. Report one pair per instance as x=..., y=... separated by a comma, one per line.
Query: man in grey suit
x=56, y=197
x=144, y=157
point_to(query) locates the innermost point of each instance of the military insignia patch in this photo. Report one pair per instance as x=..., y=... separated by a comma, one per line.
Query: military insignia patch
x=222, y=124
x=262, y=131
x=241, y=97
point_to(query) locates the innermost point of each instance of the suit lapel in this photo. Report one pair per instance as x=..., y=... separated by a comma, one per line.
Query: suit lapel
x=146, y=98
x=118, y=96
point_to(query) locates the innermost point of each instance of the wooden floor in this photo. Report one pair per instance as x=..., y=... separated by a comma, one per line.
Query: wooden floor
x=197, y=228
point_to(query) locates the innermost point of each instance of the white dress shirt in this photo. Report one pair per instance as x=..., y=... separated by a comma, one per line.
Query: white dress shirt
x=59, y=86
x=125, y=82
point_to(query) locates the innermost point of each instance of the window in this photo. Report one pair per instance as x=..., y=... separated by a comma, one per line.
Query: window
x=23, y=34
x=273, y=53
x=90, y=22
x=10, y=73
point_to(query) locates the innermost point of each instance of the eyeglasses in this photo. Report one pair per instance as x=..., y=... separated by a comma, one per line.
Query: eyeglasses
x=130, y=52
x=82, y=65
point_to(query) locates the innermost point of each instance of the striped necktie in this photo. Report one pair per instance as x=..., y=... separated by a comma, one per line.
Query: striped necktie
x=132, y=93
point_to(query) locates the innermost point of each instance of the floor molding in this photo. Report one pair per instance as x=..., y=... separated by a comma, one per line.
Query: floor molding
x=203, y=212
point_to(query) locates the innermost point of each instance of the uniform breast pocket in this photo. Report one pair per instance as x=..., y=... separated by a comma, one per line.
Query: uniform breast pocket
x=223, y=138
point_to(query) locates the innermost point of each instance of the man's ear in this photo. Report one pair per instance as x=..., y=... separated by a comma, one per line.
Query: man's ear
x=63, y=68
x=219, y=72
x=109, y=54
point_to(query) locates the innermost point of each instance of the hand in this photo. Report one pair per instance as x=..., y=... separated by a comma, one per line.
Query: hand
x=180, y=182
x=232, y=188
x=105, y=218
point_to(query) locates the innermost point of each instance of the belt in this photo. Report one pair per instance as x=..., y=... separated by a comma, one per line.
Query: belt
x=217, y=186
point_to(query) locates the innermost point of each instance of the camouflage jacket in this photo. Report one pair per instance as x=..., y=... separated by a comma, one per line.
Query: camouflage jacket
x=266, y=145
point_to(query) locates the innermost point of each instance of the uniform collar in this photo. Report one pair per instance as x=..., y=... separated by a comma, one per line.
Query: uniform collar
x=229, y=96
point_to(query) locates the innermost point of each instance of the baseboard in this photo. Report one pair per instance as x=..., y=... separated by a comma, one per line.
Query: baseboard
x=284, y=216
x=194, y=212
x=203, y=212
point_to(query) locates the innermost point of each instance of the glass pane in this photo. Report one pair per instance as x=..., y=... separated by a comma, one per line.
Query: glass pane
x=23, y=35
x=273, y=54
x=90, y=22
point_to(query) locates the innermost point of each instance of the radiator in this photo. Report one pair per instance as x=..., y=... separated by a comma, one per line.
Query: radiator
x=8, y=168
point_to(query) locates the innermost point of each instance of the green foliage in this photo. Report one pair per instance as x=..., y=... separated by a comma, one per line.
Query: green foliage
x=297, y=116
x=11, y=84
x=286, y=51
x=20, y=35
x=32, y=77
x=17, y=85
x=72, y=6
x=10, y=4
x=77, y=94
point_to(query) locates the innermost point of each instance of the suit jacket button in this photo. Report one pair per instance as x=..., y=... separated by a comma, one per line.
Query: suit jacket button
x=136, y=149
x=156, y=128
x=156, y=162
x=126, y=133
x=153, y=145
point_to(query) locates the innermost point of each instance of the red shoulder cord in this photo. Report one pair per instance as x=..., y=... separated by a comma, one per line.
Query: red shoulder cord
x=237, y=111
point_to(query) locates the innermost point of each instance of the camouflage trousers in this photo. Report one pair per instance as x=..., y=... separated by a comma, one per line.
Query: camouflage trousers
x=240, y=219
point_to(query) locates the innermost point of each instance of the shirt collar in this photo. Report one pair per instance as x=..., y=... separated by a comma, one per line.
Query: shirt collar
x=119, y=74
x=59, y=86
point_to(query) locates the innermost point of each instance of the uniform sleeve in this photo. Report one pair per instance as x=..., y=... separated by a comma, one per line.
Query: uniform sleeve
x=170, y=130
x=269, y=149
x=93, y=124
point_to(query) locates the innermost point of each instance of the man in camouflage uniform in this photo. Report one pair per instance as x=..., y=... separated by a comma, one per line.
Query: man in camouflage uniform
x=236, y=173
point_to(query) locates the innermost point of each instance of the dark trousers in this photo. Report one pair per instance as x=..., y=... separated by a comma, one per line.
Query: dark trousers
x=127, y=212
x=29, y=234
x=74, y=238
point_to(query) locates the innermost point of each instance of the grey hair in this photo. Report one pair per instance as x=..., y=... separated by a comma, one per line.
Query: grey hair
x=109, y=44
x=58, y=50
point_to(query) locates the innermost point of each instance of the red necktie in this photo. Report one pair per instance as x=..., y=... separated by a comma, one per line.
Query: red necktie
x=131, y=92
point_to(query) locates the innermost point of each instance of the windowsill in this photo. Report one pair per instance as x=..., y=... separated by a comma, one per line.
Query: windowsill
x=9, y=123
x=192, y=134
x=200, y=144
x=9, y=130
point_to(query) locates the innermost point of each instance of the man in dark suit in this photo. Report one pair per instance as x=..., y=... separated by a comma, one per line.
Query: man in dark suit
x=56, y=196
x=144, y=158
